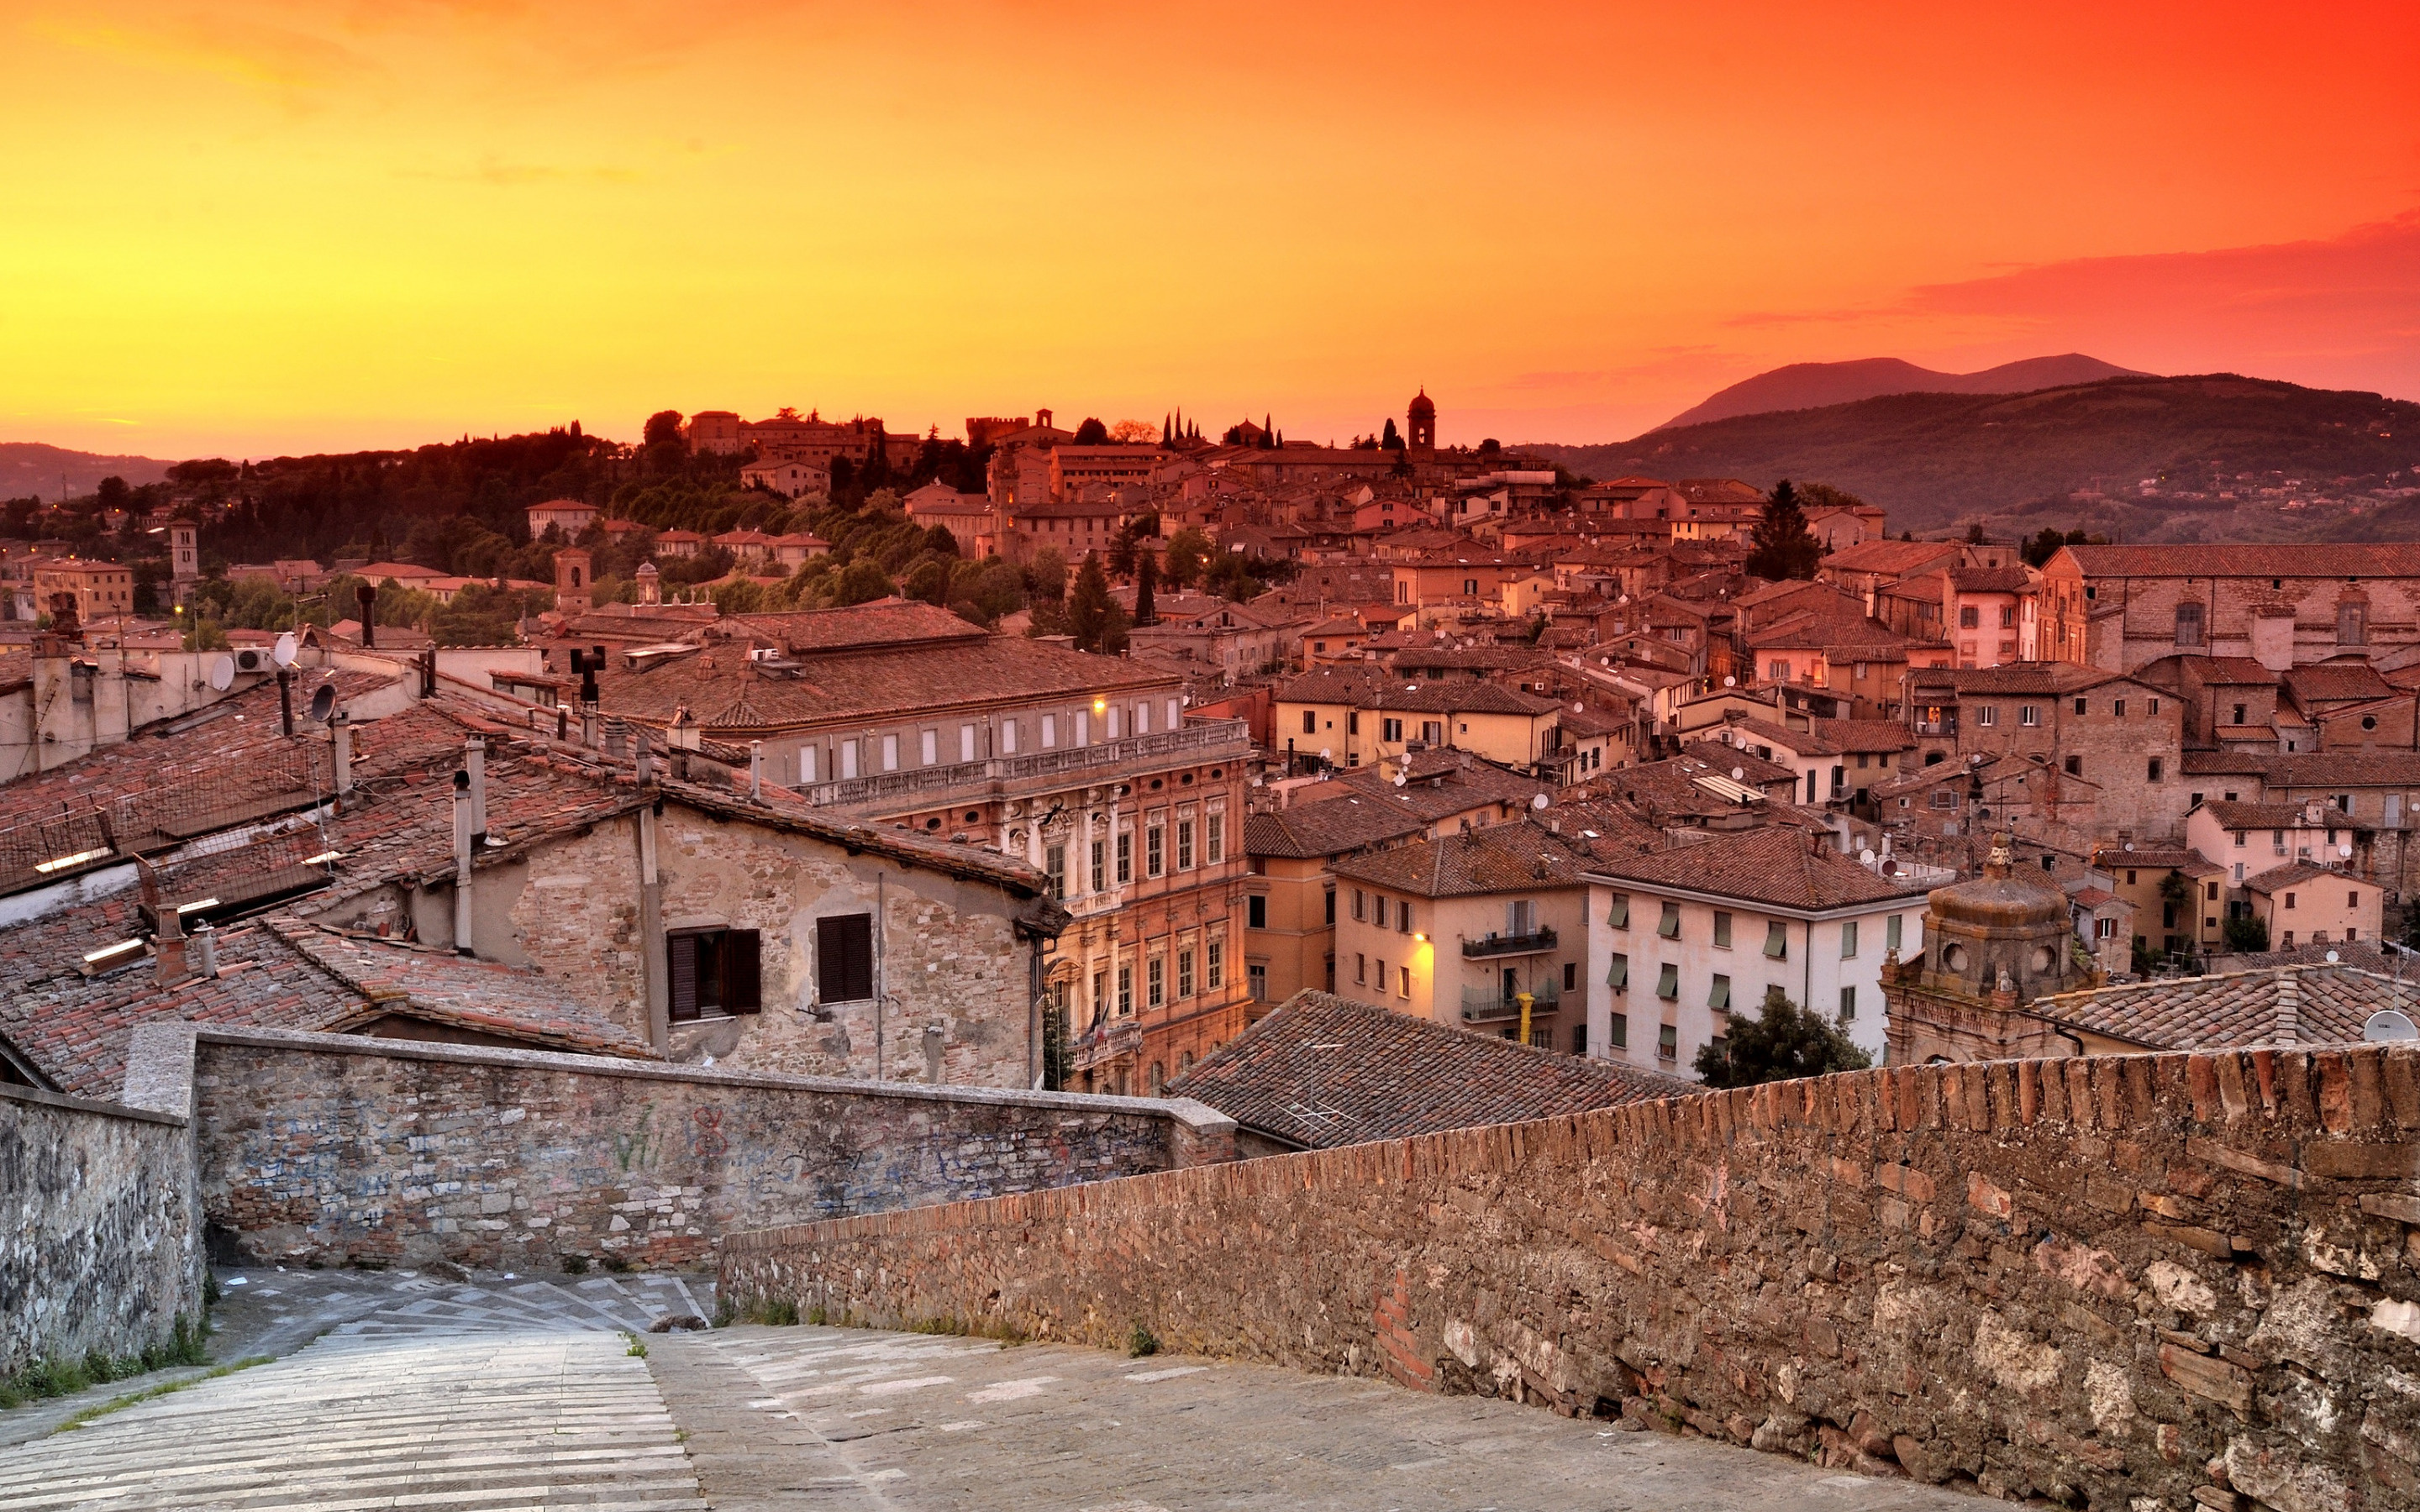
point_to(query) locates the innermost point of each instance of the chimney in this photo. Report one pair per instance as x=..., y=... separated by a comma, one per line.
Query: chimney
x=340, y=734
x=368, y=597
x=285, y=701
x=167, y=926
x=646, y=757
x=461, y=863
x=206, y=950
x=474, y=762
x=755, y=770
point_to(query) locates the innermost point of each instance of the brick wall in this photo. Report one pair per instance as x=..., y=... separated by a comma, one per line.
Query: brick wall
x=2095, y=1280
x=330, y=1148
x=97, y=1244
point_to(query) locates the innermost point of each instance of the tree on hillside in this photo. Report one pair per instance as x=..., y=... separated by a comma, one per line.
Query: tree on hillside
x=1391, y=440
x=662, y=428
x=1093, y=617
x=2044, y=547
x=1147, y=580
x=1782, y=1043
x=1189, y=551
x=1133, y=432
x=1781, y=545
x=1824, y=496
x=1091, y=433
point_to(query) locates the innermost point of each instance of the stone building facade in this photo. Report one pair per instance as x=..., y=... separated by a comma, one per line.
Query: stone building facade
x=2118, y=607
x=2124, y=737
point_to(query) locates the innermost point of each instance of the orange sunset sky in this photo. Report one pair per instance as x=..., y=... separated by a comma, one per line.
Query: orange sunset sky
x=262, y=225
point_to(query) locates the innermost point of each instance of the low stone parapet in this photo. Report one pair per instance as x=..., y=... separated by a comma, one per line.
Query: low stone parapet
x=2114, y=1280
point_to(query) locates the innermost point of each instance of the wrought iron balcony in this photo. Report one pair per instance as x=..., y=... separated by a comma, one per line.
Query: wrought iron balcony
x=1490, y=1005
x=1536, y=942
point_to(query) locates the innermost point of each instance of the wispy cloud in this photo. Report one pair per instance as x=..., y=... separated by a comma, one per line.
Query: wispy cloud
x=293, y=67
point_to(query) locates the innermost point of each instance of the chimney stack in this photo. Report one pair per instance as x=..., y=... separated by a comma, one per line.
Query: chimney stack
x=755, y=770
x=340, y=734
x=367, y=597
x=167, y=928
x=474, y=762
x=646, y=757
x=461, y=863
x=285, y=701
x=206, y=950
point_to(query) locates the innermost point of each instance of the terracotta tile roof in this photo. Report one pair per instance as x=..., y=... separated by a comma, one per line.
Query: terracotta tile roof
x=2048, y=678
x=1323, y=1071
x=2297, y=875
x=2230, y=671
x=2362, y=955
x=2337, y=683
x=1515, y=857
x=2272, y=1005
x=1891, y=556
x=1831, y=738
x=1990, y=579
x=2278, y=816
x=1778, y=868
x=2269, y=558
x=1328, y=827
x=1370, y=687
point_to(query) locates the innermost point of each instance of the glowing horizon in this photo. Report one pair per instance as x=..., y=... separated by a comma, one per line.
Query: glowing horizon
x=293, y=227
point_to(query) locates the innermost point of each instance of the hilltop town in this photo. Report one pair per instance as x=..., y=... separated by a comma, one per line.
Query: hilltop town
x=803, y=851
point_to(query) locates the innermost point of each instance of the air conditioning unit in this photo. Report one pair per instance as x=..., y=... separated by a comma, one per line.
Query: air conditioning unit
x=252, y=659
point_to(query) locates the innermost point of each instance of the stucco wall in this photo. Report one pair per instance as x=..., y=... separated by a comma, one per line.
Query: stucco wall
x=97, y=1244
x=333, y=1147
x=2088, y=1279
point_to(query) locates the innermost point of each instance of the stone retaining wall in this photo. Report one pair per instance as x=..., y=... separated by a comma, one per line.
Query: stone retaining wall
x=2108, y=1281
x=330, y=1148
x=98, y=1250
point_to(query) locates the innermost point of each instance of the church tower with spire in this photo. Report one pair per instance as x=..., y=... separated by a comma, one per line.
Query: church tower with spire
x=1419, y=431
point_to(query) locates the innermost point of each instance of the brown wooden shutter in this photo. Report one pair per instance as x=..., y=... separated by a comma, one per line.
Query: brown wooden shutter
x=845, y=958
x=680, y=951
x=742, y=972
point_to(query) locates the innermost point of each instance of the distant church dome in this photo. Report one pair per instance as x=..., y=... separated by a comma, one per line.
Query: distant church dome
x=1422, y=406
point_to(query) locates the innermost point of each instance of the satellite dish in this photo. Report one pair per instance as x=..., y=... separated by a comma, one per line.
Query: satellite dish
x=1731, y=681
x=1325, y=754
x=1538, y=802
x=1402, y=777
x=283, y=652
x=221, y=673
x=2390, y=1024
x=2130, y=844
x=323, y=703
x=1739, y=774
x=2344, y=851
x=1866, y=856
x=2334, y=958
x=1579, y=708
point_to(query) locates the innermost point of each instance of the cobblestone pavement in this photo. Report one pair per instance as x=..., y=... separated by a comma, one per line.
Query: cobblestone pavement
x=411, y=1392
x=854, y=1420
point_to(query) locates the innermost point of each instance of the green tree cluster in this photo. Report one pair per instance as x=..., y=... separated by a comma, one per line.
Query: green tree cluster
x=1782, y=1043
x=1781, y=547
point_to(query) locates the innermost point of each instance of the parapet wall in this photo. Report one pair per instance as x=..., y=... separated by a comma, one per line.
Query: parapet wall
x=2102, y=1279
x=98, y=1250
x=334, y=1148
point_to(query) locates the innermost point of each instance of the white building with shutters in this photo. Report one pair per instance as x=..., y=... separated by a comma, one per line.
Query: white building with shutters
x=1680, y=940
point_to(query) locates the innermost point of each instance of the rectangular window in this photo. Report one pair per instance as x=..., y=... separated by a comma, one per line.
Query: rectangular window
x=845, y=958
x=1617, y=1031
x=1154, y=978
x=1667, y=982
x=1777, y=940
x=1359, y=899
x=1311, y=721
x=1579, y=1039
x=1141, y=720
x=1847, y=1005
x=1054, y=863
x=1986, y=716
x=1049, y=731
x=1361, y=969
x=1113, y=722
x=1722, y=932
x=1083, y=727
x=1353, y=721
x=2079, y=706
x=1215, y=956
x=1668, y=1043
x=1125, y=990
x=1390, y=730
x=1155, y=850
x=2118, y=708
x=1172, y=715
x=1669, y=925
x=891, y=753
x=715, y=971
x=1184, y=845
x=2352, y=624
x=1214, y=840
x=2152, y=771
x=1332, y=905
x=1941, y=798
x=1617, y=974
x=1008, y=737
x=2074, y=767
x=1404, y=916
x=1720, y=996
x=1848, y=940
x=1891, y=932
x=2189, y=624
x=1379, y=909
x=929, y=747
x=847, y=760
x=1256, y=980
x=1969, y=617
x=965, y=742
x=1571, y=976
x=1618, y=912
x=1256, y=911
x=2029, y=715
x=1125, y=856
x=1100, y=871
x=1402, y=981
x=1183, y=973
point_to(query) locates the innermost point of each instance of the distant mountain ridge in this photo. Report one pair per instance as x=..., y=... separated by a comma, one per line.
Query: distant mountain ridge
x=1933, y=460
x=1814, y=385
x=32, y=469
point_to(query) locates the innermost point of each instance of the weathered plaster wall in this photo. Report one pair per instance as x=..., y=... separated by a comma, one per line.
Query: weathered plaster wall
x=97, y=1244
x=330, y=1147
x=2107, y=1280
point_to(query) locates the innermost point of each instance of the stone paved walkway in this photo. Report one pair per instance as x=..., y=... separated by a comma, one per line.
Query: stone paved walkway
x=419, y=1394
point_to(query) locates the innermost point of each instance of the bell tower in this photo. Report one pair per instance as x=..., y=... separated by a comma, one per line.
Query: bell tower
x=571, y=582
x=1420, y=430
